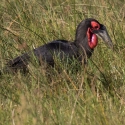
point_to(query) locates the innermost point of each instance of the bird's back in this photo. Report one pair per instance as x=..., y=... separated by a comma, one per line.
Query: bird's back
x=59, y=48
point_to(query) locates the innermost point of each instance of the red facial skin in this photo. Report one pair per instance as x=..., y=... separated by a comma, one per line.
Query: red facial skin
x=92, y=38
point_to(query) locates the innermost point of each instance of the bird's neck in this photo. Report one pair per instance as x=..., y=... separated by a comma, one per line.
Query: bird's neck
x=83, y=46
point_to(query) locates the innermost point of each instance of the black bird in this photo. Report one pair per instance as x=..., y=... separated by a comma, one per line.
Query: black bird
x=85, y=41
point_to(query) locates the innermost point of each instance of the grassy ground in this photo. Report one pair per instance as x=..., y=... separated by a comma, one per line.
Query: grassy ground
x=93, y=96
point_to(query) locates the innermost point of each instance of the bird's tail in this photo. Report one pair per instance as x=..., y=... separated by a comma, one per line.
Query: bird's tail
x=19, y=62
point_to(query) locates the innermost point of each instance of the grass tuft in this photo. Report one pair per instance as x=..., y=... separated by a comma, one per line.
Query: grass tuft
x=75, y=95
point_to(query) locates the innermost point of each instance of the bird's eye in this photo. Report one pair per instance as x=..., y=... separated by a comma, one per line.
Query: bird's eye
x=95, y=25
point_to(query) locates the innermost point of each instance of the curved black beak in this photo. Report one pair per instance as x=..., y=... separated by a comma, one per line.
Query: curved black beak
x=103, y=34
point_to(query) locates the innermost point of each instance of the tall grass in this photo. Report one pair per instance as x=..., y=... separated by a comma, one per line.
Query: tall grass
x=94, y=95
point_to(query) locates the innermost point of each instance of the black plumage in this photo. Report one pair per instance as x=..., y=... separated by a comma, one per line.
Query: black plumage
x=82, y=47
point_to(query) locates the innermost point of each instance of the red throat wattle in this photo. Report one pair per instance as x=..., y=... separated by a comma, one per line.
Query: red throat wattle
x=92, y=39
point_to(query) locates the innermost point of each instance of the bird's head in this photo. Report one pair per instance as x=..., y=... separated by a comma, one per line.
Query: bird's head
x=89, y=30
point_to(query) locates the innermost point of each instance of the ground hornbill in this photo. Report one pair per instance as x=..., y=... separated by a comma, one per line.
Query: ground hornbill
x=83, y=45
